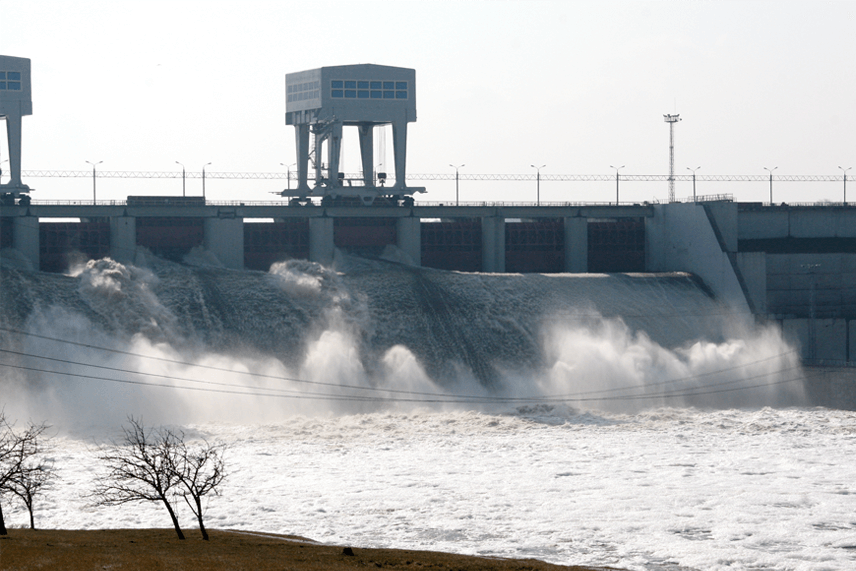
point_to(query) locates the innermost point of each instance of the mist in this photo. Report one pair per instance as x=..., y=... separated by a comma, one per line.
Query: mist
x=181, y=344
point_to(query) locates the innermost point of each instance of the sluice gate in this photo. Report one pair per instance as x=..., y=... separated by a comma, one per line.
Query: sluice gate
x=63, y=243
x=452, y=245
x=266, y=243
x=469, y=239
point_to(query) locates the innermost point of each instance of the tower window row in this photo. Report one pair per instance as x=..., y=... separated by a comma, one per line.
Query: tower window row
x=368, y=89
x=303, y=91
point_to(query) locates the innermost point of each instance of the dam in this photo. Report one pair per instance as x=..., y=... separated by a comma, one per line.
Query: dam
x=791, y=264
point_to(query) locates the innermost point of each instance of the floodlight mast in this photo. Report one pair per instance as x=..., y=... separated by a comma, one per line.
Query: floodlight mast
x=671, y=120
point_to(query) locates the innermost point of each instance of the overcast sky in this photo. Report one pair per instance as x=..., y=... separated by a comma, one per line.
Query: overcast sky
x=501, y=85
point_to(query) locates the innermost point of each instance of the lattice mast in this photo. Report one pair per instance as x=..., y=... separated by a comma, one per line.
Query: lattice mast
x=671, y=120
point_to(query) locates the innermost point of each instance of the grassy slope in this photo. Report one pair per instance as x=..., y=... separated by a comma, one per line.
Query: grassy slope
x=156, y=549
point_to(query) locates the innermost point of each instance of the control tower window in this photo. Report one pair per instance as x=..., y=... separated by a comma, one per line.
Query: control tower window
x=10, y=80
x=303, y=91
x=368, y=89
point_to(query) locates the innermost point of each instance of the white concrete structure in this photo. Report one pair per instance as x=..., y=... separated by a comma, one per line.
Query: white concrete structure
x=576, y=245
x=16, y=100
x=681, y=237
x=323, y=101
x=123, y=238
x=409, y=234
x=224, y=237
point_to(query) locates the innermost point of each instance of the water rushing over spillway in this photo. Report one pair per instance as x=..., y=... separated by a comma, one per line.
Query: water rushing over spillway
x=371, y=333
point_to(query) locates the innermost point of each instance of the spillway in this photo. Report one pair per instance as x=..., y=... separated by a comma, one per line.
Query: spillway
x=592, y=339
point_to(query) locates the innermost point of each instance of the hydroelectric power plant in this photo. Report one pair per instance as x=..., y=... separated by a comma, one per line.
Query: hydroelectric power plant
x=625, y=386
x=469, y=290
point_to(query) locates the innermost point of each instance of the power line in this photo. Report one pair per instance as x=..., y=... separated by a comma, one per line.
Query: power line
x=434, y=397
x=440, y=176
x=479, y=398
x=440, y=399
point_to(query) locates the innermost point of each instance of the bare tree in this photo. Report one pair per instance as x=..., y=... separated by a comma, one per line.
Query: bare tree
x=141, y=468
x=8, y=463
x=20, y=462
x=36, y=474
x=201, y=470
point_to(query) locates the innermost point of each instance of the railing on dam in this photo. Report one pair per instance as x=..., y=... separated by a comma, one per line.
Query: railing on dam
x=445, y=204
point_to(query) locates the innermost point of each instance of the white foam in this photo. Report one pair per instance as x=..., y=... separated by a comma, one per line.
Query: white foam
x=728, y=489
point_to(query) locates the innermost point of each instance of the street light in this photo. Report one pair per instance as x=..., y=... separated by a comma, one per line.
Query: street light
x=538, y=183
x=93, y=178
x=771, y=182
x=616, y=181
x=457, y=188
x=693, y=171
x=288, y=174
x=182, y=179
x=845, y=183
x=203, y=179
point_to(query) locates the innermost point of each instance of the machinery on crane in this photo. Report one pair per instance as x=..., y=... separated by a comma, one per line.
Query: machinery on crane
x=320, y=102
x=15, y=101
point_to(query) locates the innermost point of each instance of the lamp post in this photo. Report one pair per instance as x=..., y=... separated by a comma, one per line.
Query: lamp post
x=93, y=178
x=288, y=174
x=693, y=171
x=457, y=187
x=771, y=182
x=183, y=188
x=538, y=183
x=203, y=179
x=616, y=181
x=845, y=183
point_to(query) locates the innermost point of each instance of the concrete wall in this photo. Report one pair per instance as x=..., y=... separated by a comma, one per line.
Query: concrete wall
x=25, y=238
x=851, y=340
x=797, y=222
x=321, y=245
x=753, y=268
x=123, y=238
x=224, y=237
x=790, y=278
x=493, y=244
x=576, y=245
x=680, y=238
x=725, y=217
x=410, y=238
x=828, y=341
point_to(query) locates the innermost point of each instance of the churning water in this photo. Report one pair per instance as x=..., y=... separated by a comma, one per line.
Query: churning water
x=628, y=420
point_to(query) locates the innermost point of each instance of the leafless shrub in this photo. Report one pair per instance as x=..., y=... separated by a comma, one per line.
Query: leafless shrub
x=140, y=469
x=24, y=471
x=159, y=466
x=201, y=470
